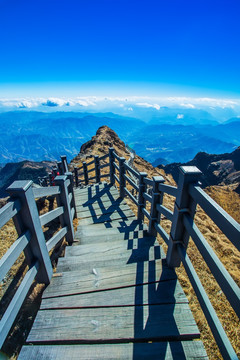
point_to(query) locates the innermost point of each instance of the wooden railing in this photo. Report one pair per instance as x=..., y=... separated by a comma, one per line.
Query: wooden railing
x=22, y=208
x=188, y=194
x=147, y=194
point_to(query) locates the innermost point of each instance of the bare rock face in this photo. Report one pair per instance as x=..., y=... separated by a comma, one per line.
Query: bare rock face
x=223, y=169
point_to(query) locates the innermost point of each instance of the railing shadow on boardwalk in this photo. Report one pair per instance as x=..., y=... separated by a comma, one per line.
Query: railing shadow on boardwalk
x=188, y=194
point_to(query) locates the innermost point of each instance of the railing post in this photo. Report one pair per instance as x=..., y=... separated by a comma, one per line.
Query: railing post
x=85, y=171
x=70, y=177
x=28, y=218
x=111, y=167
x=60, y=167
x=183, y=204
x=156, y=198
x=64, y=163
x=50, y=178
x=97, y=169
x=121, y=176
x=64, y=200
x=76, y=176
x=142, y=189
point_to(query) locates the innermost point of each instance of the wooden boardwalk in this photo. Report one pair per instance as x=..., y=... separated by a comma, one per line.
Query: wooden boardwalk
x=113, y=297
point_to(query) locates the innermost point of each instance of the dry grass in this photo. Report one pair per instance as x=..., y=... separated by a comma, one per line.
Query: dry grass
x=12, y=280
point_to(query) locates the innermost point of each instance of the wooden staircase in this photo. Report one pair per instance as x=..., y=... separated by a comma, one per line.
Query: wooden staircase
x=113, y=296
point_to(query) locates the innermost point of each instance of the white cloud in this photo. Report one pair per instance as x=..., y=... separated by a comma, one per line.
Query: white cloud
x=180, y=116
x=147, y=105
x=188, y=106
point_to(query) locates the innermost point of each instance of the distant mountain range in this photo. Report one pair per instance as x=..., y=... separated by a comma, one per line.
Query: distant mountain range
x=222, y=169
x=168, y=137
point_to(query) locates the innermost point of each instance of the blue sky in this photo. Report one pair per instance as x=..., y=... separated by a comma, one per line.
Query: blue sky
x=120, y=47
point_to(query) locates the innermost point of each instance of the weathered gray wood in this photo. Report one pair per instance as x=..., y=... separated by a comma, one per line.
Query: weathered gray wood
x=116, y=215
x=147, y=197
x=56, y=238
x=142, y=189
x=158, y=322
x=103, y=165
x=16, y=302
x=215, y=325
x=156, y=198
x=104, y=175
x=224, y=279
x=9, y=258
x=8, y=211
x=116, y=178
x=64, y=163
x=162, y=233
x=134, y=172
x=148, y=181
x=116, y=166
x=111, y=235
x=167, y=292
x=108, y=197
x=191, y=350
x=146, y=213
x=103, y=157
x=100, y=205
x=127, y=193
x=46, y=191
x=171, y=190
x=97, y=169
x=222, y=219
x=85, y=172
x=28, y=218
x=122, y=180
x=111, y=167
x=165, y=211
x=105, y=248
x=67, y=217
x=183, y=203
x=51, y=215
x=131, y=182
x=76, y=176
x=111, y=257
x=91, y=277
x=98, y=212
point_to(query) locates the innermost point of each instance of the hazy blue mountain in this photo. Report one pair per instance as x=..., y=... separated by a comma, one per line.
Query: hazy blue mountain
x=169, y=136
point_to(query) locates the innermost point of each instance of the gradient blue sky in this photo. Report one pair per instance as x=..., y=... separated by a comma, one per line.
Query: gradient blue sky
x=119, y=47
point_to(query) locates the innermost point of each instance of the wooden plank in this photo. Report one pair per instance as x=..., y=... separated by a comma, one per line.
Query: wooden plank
x=9, y=258
x=193, y=350
x=99, y=204
x=46, y=191
x=102, y=211
x=121, y=225
x=110, y=235
x=116, y=215
x=164, y=292
x=51, y=215
x=56, y=238
x=85, y=201
x=111, y=258
x=143, y=244
x=93, y=277
x=115, y=324
x=8, y=211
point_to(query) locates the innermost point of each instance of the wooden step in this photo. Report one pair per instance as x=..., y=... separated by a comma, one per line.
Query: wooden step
x=99, y=205
x=116, y=215
x=114, y=324
x=111, y=258
x=193, y=350
x=163, y=292
x=89, y=277
x=115, y=247
x=100, y=212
